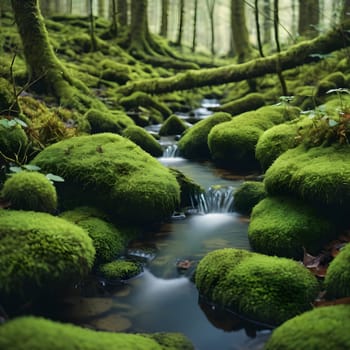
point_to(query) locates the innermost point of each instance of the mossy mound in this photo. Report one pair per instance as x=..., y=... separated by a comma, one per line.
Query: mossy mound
x=173, y=126
x=106, y=121
x=34, y=333
x=337, y=279
x=13, y=141
x=278, y=139
x=283, y=226
x=248, y=195
x=322, y=328
x=266, y=289
x=114, y=71
x=194, y=143
x=232, y=144
x=319, y=175
x=40, y=252
x=139, y=98
x=28, y=190
x=111, y=172
x=331, y=81
x=143, y=139
x=120, y=270
x=8, y=104
x=247, y=103
x=108, y=240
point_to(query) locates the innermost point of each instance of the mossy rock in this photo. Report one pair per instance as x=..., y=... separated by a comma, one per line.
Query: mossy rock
x=104, y=121
x=173, y=126
x=194, y=143
x=143, y=139
x=114, y=71
x=142, y=99
x=30, y=190
x=7, y=98
x=247, y=195
x=266, y=289
x=120, y=270
x=13, y=141
x=318, y=175
x=283, y=226
x=34, y=333
x=278, y=139
x=331, y=81
x=247, y=103
x=114, y=174
x=108, y=240
x=40, y=252
x=337, y=279
x=322, y=328
x=232, y=144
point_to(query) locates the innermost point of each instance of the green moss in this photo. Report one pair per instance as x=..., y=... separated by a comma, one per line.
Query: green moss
x=40, y=252
x=31, y=333
x=173, y=126
x=322, y=328
x=331, y=81
x=30, y=191
x=143, y=139
x=138, y=99
x=114, y=71
x=13, y=141
x=264, y=288
x=108, y=240
x=232, y=144
x=276, y=140
x=319, y=175
x=247, y=103
x=194, y=143
x=248, y=195
x=120, y=270
x=283, y=226
x=111, y=172
x=8, y=104
x=337, y=279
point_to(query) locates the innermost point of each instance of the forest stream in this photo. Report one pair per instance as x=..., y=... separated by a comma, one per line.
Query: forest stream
x=163, y=298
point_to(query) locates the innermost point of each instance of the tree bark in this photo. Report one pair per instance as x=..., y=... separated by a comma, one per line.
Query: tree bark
x=194, y=31
x=308, y=18
x=295, y=56
x=122, y=8
x=211, y=8
x=267, y=22
x=165, y=13
x=181, y=22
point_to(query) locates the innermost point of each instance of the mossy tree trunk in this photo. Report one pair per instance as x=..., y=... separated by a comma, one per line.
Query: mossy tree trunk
x=211, y=8
x=295, y=56
x=122, y=8
x=267, y=22
x=44, y=68
x=164, y=23
x=308, y=18
x=194, y=32
x=240, y=36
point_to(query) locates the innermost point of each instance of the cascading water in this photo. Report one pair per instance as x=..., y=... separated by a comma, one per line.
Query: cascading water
x=171, y=151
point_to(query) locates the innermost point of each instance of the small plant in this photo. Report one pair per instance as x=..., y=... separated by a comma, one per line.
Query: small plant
x=28, y=167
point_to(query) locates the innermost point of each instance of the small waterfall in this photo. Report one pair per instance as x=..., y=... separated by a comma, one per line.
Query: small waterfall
x=217, y=199
x=171, y=151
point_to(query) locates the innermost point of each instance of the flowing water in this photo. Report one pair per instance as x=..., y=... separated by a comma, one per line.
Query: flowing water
x=163, y=298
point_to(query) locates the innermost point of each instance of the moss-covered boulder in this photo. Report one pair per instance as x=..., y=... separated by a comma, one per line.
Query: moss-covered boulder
x=331, y=81
x=34, y=333
x=244, y=104
x=322, y=328
x=104, y=121
x=318, y=175
x=29, y=190
x=142, y=99
x=283, y=226
x=194, y=143
x=247, y=195
x=108, y=240
x=232, y=144
x=337, y=279
x=143, y=139
x=40, y=252
x=110, y=172
x=173, y=126
x=278, y=139
x=120, y=270
x=267, y=289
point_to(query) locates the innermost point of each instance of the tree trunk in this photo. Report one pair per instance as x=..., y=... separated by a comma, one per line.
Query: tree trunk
x=114, y=22
x=165, y=14
x=101, y=8
x=257, y=24
x=43, y=66
x=267, y=22
x=181, y=22
x=308, y=18
x=194, y=32
x=92, y=27
x=295, y=56
x=211, y=8
x=139, y=27
x=240, y=34
x=122, y=8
